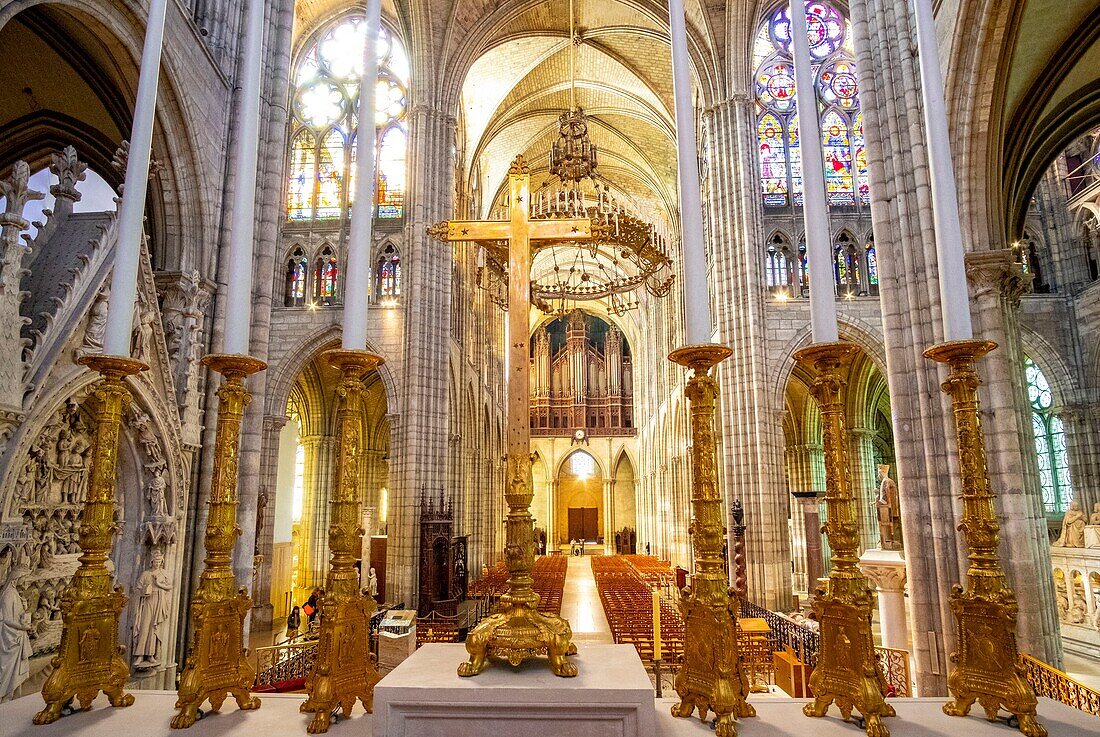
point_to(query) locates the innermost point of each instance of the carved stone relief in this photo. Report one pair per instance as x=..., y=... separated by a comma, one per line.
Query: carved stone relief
x=49, y=490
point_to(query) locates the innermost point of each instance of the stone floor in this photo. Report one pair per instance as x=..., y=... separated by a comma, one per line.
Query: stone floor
x=581, y=605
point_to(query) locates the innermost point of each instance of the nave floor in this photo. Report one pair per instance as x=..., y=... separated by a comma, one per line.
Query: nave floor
x=581, y=605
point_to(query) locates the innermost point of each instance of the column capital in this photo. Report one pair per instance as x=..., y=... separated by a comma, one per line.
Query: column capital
x=275, y=423
x=885, y=569
x=997, y=272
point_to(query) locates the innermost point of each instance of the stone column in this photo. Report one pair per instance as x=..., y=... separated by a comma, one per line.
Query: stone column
x=886, y=570
x=809, y=513
x=262, y=608
x=883, y=37
x=861, y=451
x=751, y=449
x=998, y=282
x=609, y=516
x=420, y=441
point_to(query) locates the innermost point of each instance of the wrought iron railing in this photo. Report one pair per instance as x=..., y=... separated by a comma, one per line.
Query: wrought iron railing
x=286, y=662
x=786, y=633
x=894, y=666
x=1052, y=683
x=805, y=643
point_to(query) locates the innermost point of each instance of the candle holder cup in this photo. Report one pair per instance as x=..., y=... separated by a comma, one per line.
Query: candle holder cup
x=343, y=670
x=847, y=673
x=712, y=676
x=986, y=667
x=217, y=664
x=89, y=659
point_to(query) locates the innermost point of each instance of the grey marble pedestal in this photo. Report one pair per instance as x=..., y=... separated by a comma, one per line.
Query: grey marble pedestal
x=424, y=697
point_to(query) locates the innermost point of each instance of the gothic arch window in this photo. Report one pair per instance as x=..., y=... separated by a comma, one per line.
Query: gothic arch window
x=326, y=273
x=837, y=89
x=781, y=266
x=389, y=273
x=870, y=255
x=297, y=270
x=848, y=266
x=1050, y=441
x=324, y=122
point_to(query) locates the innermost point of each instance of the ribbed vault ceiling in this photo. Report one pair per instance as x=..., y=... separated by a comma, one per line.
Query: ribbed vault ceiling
x=515, y=91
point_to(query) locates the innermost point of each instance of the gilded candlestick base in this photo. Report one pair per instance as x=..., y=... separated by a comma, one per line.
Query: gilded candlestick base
x=89, y=659
x=343, y=671
x=217, y=664
x=712, y=676
x=986, y=667
x=846, y=672
x=517, y=631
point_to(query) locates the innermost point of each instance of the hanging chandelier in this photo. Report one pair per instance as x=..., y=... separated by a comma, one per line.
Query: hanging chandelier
x=627, y=254
x=573, y=155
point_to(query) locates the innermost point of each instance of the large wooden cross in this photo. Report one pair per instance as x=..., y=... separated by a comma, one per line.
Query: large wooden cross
x=517, y=630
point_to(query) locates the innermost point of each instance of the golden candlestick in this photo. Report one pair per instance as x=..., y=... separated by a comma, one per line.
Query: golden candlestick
x=216, y=664
x=712, y=676
x=89, y=659
x=986, y=666
x=846, y=671
x=343, y=671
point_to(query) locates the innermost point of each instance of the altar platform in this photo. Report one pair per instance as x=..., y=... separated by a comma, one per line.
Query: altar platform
x=279, y=717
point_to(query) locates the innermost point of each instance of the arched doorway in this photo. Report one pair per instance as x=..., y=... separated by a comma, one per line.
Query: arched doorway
x=580, y=507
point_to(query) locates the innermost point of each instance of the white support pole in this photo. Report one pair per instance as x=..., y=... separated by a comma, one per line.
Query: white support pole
x=815, y=211
x=357, y=279
x=238, y=315
x=120, y=306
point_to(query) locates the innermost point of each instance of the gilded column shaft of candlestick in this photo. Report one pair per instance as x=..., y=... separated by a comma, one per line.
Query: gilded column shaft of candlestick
x=986, y=667
x=712, y=676
x=343, y=671
x=217, y=664
x=89, y=659
x=846, y=671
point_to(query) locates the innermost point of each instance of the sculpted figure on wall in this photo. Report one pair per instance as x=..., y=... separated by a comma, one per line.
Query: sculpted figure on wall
x=1073, y=528
x=1094, y=520
x=888, y=505
x=15, y=627
x=154, y=604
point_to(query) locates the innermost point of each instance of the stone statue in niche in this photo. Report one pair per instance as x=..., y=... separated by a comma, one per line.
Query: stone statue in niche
x=142, y=426
x=372, y=583
x=1073, y=528
x=888, y=505
x=97, y=325
x=156, y=494
x=144, y=320
x=1062, y=596
x=154, y=603
x=15, y=627
x=1094, y=520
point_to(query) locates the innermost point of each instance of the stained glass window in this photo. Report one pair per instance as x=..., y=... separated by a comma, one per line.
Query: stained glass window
x=872, y=267
x=773, y=161
x=325, y=105
x=1050, y=442
x=325, y=276
x=296, y=269
x=303, y=174
x=391, y=173
x=837, y=87
x=389, y=273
